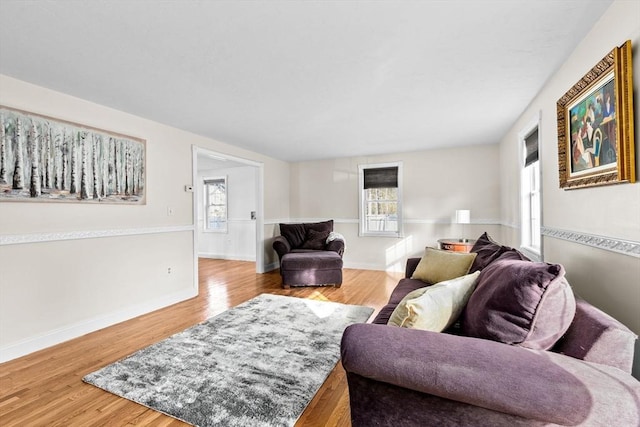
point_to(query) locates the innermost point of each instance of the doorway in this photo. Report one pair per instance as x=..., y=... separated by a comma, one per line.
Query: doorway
x=233, y=226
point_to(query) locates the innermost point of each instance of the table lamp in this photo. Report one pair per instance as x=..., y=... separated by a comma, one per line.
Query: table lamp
x=463, y=216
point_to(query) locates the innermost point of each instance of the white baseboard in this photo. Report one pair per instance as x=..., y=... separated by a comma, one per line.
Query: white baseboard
x=227, y=256
x=272, y=266
x=66, y=333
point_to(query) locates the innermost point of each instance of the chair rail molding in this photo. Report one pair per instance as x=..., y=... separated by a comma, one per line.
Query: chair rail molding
x=621, y=246
x=18, y=239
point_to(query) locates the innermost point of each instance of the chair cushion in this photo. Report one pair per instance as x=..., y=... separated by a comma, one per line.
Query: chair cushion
x=529, y=304
x=434, y=308
x=319, y=260
x=438, y=265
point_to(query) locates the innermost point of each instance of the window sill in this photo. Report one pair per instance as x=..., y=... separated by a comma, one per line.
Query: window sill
x=216, y=231
x=381, y=234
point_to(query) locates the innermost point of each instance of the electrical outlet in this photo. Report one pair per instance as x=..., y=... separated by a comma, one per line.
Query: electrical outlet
x=168, y=270
x=170, y=211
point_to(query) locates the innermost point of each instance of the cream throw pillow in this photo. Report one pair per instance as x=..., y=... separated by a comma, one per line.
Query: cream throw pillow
x=437, y=266
x=436, y=307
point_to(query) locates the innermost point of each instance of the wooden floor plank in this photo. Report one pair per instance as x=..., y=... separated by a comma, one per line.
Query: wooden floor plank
x=46, y=389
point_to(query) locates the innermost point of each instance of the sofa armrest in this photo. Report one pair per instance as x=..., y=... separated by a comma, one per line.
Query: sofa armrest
x=281, y=246
x=538, y=385
x=336, y=246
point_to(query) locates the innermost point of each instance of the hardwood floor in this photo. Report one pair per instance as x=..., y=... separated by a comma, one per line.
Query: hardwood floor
x=46, y=389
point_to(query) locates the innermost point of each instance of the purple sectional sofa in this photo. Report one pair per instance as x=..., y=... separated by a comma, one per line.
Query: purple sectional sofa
x=409, y=377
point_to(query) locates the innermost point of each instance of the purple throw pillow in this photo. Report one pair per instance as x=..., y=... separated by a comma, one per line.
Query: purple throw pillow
x=487, y=251
x=315, y=240
x=513, y=254
x=529, y=304
x=320, y=226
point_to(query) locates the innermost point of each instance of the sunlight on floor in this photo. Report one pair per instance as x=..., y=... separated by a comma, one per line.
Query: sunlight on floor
x=320, y=309
x=317, y=295
x=218, y=297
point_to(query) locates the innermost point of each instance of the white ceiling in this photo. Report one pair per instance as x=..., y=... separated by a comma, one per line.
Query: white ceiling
x=302, y=80
x=207, y=163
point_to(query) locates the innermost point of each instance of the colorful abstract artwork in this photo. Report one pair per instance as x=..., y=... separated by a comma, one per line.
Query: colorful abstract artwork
x=593, y=129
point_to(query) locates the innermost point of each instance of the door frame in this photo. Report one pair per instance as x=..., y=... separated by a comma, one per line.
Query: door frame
x=260, y=268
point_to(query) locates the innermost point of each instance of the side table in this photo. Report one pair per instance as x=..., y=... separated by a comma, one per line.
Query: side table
x=456, y=245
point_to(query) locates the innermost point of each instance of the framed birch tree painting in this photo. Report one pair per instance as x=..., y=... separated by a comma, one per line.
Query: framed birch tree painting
x=45, y=159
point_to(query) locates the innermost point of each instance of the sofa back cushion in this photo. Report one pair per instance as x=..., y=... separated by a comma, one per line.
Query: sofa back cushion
x=404, y=286
x=594, y=336
x=511, y=253
x=487, y=251
x=294, y=233
x=410, y=267
x=529, y=304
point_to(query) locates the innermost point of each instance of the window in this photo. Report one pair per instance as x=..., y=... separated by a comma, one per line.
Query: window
x=530, y=207
x=215, y=199
x=380, y=199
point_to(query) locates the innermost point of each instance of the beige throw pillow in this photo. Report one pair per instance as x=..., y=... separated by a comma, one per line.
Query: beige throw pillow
x=437, y=266
x=436, y=307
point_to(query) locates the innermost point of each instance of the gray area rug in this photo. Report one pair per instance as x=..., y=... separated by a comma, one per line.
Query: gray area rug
x=258, y=364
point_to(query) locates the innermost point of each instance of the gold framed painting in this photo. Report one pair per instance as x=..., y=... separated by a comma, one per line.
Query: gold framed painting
x=595, y=125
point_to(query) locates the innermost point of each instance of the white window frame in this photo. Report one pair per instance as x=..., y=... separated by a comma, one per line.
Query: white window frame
x=207, y=204
x=529, y=177
x=362, y=199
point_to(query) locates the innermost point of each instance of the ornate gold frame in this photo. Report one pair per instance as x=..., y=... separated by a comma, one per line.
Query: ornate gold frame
x=616, y=67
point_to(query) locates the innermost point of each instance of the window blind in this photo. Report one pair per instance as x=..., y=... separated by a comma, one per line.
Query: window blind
x=381, y=177
x=531, y=148
x=214, y=181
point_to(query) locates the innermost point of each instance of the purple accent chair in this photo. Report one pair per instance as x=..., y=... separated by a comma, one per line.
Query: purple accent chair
x=306, y=258
x=407, y=377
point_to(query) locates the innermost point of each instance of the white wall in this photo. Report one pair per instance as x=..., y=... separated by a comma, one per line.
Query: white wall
x=608, y=280
x=239, y=241
x=67, y=268
x=436, y=183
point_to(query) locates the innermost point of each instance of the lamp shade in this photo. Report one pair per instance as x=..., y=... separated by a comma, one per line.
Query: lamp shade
x=463, y=216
